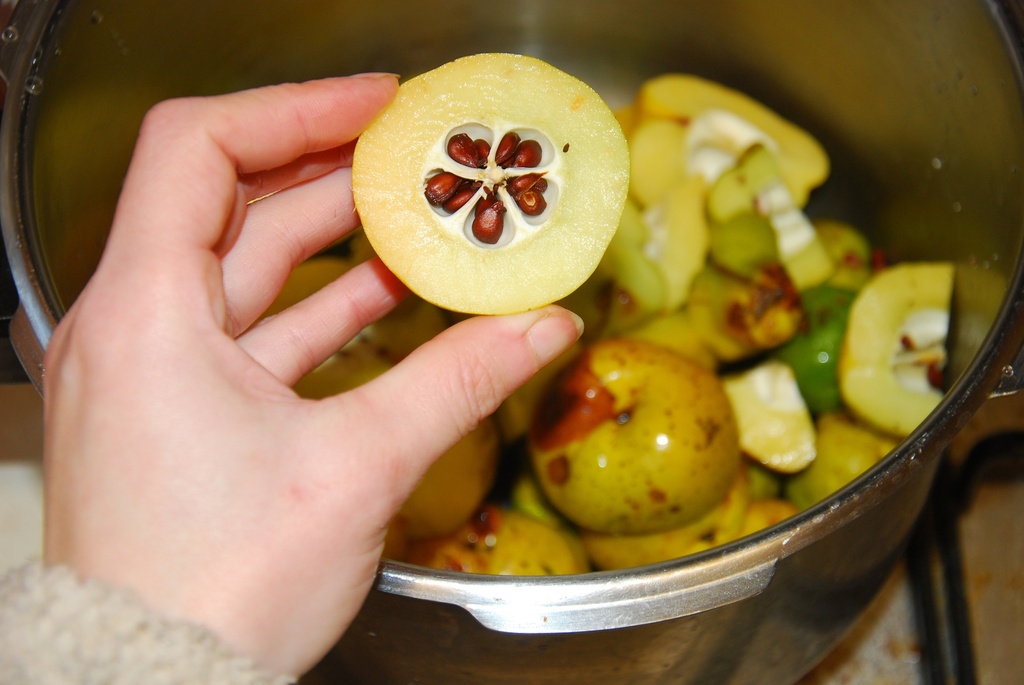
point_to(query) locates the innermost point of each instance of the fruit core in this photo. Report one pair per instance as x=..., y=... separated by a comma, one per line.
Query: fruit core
x=493, y=185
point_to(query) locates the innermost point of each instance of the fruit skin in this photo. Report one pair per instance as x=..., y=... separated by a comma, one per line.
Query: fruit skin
x=846, y=448
x=393, y=157
x=634, y=438
x=867, y=381
x=500, y=541
x=764, y=482
x=676, y=332
x=515, y=414
x=736, y=191
x=764, y=513
x=813, y=353
x=720, y=525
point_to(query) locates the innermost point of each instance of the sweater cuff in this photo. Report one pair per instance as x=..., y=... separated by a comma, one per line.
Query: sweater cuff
x=55, y=628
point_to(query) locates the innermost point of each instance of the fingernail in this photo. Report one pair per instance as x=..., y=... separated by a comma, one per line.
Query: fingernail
x=553, y=333
x=376, y=75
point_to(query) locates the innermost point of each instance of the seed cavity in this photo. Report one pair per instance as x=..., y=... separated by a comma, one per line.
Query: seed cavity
x=492, y=175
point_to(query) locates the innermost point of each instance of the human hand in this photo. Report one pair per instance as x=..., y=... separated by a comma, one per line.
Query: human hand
x=178, y=461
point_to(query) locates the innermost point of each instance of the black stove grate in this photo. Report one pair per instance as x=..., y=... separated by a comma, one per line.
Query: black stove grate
x=935, y=563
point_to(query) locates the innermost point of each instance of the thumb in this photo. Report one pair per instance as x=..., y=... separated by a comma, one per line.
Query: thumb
x=442, y=390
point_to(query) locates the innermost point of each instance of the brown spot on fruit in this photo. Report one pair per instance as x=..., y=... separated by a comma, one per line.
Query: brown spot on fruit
x=575, y=406
x=558, y=470
x=657, y=496
x=710, y=428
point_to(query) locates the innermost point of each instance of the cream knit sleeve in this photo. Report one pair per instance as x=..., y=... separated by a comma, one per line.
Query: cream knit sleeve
x=57, y=630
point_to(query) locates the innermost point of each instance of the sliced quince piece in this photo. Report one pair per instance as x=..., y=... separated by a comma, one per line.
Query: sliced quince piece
x=628, y=263
x=675, y=331
x=850, y=252
x=492, y=184
x=775, y=426
x=800, y=249
x=846, y=448
x=657, y=153
x=756, y=185
x=723, y=120
x=740, y=317
x=736, y=190
x=679, y=237
x=894, y=350
x=743, y=244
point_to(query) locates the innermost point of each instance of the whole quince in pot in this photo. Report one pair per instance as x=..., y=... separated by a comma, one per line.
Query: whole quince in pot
x=634, y=438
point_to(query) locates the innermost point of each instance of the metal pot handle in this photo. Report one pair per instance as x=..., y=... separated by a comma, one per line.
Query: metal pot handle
x=594, y=601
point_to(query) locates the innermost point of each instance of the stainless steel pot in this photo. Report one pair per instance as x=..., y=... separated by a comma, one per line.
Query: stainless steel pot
x=919, y=104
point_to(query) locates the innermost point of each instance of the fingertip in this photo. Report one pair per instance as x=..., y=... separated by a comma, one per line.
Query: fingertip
x=553, y=332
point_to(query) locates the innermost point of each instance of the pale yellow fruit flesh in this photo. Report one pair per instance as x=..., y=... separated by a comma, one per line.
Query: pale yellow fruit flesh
x=679, y=237
x=657, y=151
x=775, y=426
x=501, y=92
x=685, y=97
x=867, y=381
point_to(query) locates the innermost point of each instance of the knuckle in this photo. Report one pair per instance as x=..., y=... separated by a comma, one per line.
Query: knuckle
x=480, y=389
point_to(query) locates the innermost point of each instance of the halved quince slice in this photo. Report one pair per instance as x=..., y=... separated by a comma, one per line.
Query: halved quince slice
x=894, y=350
x=741, y=317
x=723, y=123
x=679, y=237
x=639, y=283
x=657, y=149
x=776, y=428
x=756, y=184
x=492, y=184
